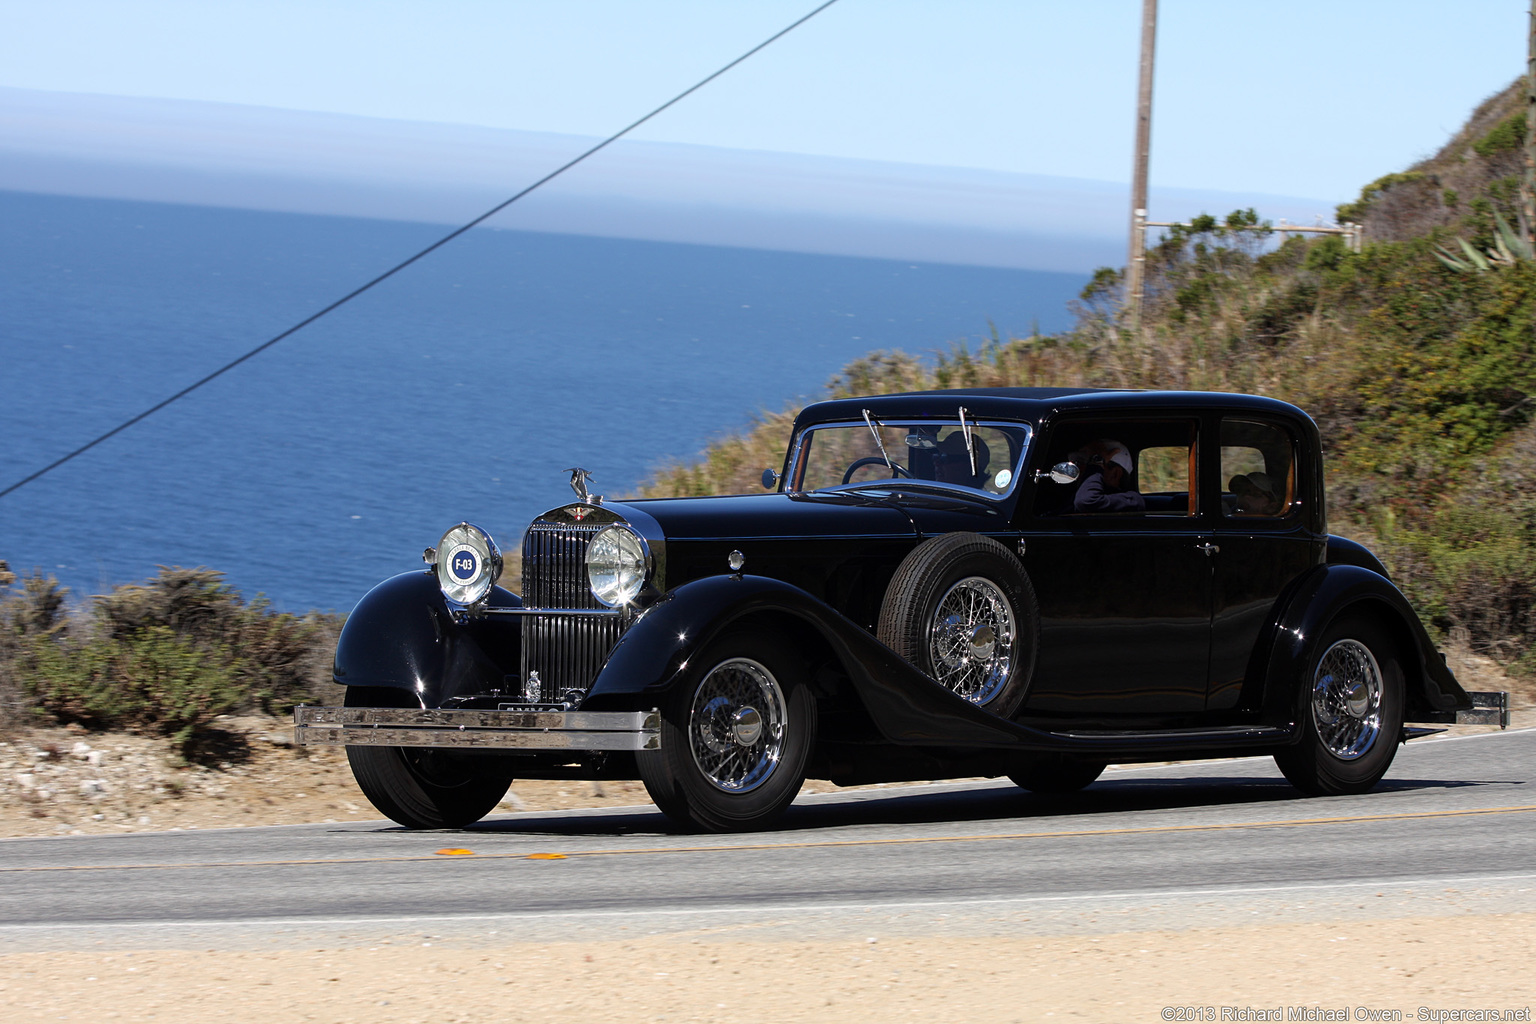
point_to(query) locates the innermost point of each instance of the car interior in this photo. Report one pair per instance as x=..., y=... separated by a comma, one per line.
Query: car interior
x=1163, y=453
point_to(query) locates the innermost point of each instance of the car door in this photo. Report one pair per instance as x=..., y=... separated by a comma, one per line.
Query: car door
x=1125, y=597
x=1263, y=530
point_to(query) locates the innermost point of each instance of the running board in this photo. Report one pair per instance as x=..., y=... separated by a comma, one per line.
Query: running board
x=1182, y=739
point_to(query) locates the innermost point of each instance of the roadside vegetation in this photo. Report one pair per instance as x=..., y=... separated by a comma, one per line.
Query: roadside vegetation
x=168, y=656
x=1419, y=369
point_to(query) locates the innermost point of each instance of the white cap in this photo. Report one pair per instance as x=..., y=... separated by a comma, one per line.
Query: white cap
x=1114, y=451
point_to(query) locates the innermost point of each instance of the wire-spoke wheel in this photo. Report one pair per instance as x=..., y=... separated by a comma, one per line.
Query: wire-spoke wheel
x=970, y=643
x=736, y=726
x=735, y=735
x=1350, y=711
x=961, y=609
x=1346, y=699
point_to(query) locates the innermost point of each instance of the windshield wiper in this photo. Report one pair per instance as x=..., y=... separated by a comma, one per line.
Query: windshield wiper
x=873, y=424
x=965, y=429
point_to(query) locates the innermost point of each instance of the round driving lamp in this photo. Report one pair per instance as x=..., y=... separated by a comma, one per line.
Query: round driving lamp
x=468, y=564
x=617, y=566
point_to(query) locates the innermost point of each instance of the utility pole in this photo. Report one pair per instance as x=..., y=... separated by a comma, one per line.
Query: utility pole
x=1136, y=263
x=1528, y=186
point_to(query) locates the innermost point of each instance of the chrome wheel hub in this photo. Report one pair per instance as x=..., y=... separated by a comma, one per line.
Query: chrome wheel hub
x=971, y=639
x=736, y=725
x=1346, y=699
x=747, y=726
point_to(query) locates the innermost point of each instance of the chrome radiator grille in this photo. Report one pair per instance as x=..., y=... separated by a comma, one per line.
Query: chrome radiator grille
x=566, y=651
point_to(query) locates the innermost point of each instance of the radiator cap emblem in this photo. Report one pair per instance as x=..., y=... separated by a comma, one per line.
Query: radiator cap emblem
x=579, y=478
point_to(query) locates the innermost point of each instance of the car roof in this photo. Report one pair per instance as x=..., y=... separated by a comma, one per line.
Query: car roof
x=1036, y=404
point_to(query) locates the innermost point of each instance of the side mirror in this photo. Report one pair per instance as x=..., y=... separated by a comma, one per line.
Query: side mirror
x=770, y=479
x=1061, y=473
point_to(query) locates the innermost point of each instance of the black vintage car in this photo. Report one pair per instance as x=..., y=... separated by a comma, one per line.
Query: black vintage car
x=1023, y=582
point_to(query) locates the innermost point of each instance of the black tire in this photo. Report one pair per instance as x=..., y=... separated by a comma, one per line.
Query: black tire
x=712, y=772
x=1056, y=773
x=1349, y=734
x=419, y=787
x=943, y=573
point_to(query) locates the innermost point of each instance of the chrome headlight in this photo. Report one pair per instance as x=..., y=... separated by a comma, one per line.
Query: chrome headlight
x=468, y=563
x=618, y=564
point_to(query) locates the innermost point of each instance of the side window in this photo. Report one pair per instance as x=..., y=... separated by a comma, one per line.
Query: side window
x=1163, y=469
x=1139, y=467
x=1258, y=470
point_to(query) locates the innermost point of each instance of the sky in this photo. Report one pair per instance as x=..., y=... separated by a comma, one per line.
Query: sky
x=1302, y=98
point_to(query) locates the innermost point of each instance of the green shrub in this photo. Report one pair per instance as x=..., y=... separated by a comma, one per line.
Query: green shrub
x=168, y=655
x=154, y=679
x=1473, y=566
x=1507, y=135
x=277, y=655
x=1354, y=212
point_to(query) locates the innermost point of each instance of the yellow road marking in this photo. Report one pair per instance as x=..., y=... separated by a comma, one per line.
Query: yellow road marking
x=813, y=845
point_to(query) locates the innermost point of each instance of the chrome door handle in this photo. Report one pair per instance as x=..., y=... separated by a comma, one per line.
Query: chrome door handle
x=1208, y=548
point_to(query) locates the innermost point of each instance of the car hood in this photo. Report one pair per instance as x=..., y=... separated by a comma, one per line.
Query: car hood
x=764, y=516
x=823, y=514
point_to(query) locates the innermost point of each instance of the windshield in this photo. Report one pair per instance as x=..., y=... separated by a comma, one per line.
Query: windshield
x=837, y=454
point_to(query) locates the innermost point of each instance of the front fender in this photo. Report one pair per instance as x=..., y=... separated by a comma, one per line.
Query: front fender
x=402, y=635
x=905, y=705
x=1324, y=594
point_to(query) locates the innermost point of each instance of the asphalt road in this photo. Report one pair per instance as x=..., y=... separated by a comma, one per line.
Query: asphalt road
x=1451, y=829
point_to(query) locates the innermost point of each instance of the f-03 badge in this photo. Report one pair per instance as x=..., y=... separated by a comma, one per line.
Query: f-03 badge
x=464, y=564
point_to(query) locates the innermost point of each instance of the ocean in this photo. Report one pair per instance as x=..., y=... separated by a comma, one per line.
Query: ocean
x=462, y=388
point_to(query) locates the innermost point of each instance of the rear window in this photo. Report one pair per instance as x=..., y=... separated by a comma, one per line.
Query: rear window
x=1258, y=470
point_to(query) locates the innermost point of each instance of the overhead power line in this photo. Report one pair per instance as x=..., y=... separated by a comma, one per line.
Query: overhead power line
x=392, y=271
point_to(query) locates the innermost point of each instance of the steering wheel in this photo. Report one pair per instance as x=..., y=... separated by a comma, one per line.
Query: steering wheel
x=871, y=460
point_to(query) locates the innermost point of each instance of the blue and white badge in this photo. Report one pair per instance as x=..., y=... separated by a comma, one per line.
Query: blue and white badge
x=464, y=563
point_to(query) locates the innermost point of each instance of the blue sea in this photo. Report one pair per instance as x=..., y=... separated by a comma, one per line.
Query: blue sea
x=462, y=388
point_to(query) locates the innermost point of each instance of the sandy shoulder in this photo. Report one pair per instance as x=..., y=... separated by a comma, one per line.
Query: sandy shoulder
x=1381, y=965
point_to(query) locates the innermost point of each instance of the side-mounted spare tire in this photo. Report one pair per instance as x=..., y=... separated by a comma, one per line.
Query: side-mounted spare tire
x=961, y=608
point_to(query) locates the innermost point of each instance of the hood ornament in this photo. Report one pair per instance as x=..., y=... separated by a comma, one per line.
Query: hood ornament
x=579, y=478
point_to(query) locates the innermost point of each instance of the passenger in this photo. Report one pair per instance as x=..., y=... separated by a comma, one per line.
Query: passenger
x=1107, y=466
x=1255, y=495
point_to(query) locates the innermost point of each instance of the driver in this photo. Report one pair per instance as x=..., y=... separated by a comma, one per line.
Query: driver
x=1107, y=469
x=952, y=463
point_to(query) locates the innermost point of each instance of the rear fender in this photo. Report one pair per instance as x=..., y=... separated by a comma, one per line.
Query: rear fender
x=905, y=705
x=403, y=636
x=1330, y=591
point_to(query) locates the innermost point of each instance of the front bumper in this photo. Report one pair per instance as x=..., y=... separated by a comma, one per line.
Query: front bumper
x=486, y=730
